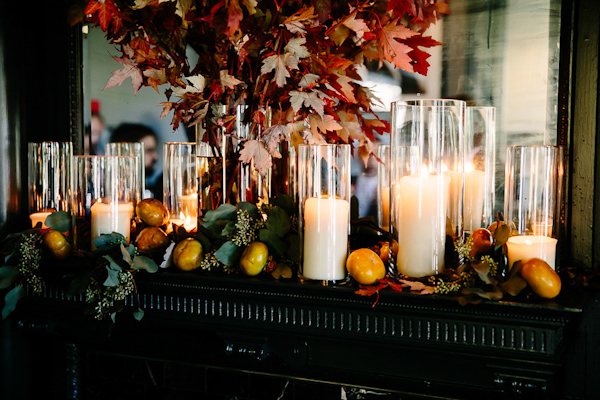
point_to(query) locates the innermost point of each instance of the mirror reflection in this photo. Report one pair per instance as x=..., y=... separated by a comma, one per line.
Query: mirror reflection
x=502, y=53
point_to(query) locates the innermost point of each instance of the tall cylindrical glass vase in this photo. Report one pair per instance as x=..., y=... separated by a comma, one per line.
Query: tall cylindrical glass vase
x=324, y=206
x=426, y=148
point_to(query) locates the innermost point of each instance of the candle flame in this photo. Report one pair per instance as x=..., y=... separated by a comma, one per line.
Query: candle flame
x=469, y=167
x=424, y=171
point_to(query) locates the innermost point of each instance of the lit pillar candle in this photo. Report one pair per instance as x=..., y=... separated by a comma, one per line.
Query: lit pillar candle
x=188, y=222
x=422, y=203
x=108, y=218
x=189, y=205
x=526, y=247
x=474, y=196
x=39, y=217
x=325, y=238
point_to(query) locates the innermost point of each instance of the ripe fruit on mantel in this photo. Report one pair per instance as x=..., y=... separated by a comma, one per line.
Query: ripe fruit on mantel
x=254, y=258
x=365, y=266
x=188, y=254
x=541, y=278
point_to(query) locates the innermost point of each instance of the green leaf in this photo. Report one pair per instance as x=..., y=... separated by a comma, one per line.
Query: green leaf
x=8, y=276
x=59, y=221
x=292, y=252
x=79, y=283
x=229, y=253
x=112, y=264
x=229, y=229
x=286, y=202
x=278, y=221
x=138, y=314
x=224, y=211
x=127, y=255
x=108, y=239
x=251, y=208
x=11, y=299
x=272, y=240
x=9, y=255
x=113, y=273
x=142, y=262
x=206, y=243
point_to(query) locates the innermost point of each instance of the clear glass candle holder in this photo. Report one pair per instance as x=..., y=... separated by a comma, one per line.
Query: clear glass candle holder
x=180, y=184
x=383, y=186
x=480, y=167
x=50, y=179
x=426, y=149
x=532, y=200
x=134, y=149
x=324, y=212
x=105, y=197
x=253, y=185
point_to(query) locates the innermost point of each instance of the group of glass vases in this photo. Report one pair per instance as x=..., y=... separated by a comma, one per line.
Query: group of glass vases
x=435, y=187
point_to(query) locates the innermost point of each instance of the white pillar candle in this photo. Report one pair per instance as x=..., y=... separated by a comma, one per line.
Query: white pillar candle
x=108, y=218
x=39, y=217
x=421, y=224
x=526, y=247
x=474, y=196
x=325, y=238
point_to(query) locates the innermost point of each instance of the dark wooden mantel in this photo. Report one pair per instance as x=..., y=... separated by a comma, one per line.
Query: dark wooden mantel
x=406, y=345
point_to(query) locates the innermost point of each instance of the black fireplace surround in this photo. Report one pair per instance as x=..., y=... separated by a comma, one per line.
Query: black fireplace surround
x=232, y=337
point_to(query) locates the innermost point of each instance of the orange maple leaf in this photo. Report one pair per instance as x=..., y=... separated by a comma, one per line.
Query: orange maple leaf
x=392, y=49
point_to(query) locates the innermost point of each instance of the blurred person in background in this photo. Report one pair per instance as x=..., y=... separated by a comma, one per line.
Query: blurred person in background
x=93, y=134
x=135, y=132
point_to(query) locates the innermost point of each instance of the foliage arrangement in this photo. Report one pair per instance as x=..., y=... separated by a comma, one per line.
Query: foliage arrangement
x=482, y=273
x=106, y=276
x=301, y=59
x=226, y=231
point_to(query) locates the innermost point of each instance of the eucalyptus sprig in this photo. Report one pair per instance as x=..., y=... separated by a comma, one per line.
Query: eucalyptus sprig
x=22, y=259
x=226, y=231
x=112, y=278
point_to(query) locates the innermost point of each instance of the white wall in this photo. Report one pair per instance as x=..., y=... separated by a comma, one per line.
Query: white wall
x=119, y=104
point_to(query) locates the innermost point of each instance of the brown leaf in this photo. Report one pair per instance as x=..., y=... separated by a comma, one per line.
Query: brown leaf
x=414, y=286
x=513, y=286
x=494, y=295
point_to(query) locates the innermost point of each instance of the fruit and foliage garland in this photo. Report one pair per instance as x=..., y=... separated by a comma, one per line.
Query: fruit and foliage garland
x=301, y=59
x=482, y=274
x=242, y=239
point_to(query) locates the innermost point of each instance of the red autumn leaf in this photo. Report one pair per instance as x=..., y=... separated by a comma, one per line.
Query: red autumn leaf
x=419, y=56
x=235, y=16
x=401, y=7
x=391, y=49
x=367, y=290
x=105, y=11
